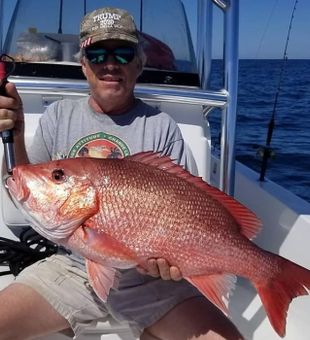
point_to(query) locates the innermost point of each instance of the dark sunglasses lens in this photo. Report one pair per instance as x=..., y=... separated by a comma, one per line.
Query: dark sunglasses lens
x=122, y=55
x=96, y=56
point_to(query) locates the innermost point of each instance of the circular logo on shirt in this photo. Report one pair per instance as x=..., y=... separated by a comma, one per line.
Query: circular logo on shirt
x=99, y=145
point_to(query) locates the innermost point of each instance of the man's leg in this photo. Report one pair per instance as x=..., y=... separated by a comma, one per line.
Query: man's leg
x=195, y=318
x=24, y=313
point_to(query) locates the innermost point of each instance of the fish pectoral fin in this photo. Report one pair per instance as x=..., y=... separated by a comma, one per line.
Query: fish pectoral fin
x=108, y=245
x=102, y=278
x=215, y=287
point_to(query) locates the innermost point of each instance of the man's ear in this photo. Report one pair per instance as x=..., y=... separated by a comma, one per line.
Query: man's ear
x=82, y=61
x=139, y=67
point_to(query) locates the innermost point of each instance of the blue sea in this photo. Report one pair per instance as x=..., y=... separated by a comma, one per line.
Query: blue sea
x=258, y=85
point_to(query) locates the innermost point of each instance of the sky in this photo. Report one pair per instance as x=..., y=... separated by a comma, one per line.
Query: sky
x=263, y=28
x=264, y=25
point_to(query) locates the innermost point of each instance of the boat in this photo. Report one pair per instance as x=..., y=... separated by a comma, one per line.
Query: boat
x=42, y=37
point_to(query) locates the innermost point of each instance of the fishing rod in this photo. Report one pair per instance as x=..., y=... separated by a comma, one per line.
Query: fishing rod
x=141, y=14
x=32, y=246
x=60, y=17
x=7, y=135
x=267, y=150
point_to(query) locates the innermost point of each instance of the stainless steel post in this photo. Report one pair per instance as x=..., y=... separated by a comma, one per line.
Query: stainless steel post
x=231, y=41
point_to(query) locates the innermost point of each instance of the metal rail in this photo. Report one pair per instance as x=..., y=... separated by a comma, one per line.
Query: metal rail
x=154, y=92
x=229, y=116
x=230, y=9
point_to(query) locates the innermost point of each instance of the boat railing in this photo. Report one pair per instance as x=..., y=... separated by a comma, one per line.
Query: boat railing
x=186, y=95
x=230, y=10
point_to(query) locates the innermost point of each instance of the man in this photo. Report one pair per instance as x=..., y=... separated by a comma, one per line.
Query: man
x=54, y=295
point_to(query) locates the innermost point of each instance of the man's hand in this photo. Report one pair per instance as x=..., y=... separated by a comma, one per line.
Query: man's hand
x=11, y=111
x=161, y=268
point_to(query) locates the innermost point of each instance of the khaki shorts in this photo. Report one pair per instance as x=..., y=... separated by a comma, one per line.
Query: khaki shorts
x=139, y=300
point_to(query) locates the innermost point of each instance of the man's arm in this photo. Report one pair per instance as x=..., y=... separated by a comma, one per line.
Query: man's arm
x=12, y=117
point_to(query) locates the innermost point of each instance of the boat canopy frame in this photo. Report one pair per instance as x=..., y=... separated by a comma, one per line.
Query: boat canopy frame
x=230, y=10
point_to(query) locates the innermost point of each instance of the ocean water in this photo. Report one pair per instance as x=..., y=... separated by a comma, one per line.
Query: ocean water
x=258, y=85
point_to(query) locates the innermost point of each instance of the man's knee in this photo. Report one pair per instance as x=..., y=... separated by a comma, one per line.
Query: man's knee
x=195, y=318
x=147, y=335
x=25, y=313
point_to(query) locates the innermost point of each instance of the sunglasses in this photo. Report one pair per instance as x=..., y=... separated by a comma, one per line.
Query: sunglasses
x=99, y=55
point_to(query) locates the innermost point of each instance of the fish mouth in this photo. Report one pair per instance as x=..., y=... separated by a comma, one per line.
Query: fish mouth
x=58, y=234
x=16, y=189
x=19, y=196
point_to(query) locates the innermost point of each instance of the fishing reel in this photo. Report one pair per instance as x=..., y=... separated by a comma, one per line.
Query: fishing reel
x=263, y=151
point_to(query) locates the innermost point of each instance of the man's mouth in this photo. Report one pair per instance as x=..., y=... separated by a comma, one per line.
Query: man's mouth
x=110, y=78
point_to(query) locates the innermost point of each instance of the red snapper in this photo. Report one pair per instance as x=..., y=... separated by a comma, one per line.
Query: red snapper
x=118, y=213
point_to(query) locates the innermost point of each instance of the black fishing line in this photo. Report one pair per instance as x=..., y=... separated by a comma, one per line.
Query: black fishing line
x=169, y=145
x=31, y=248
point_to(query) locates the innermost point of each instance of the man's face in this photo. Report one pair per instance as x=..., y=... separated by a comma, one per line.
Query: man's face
x=111, y=83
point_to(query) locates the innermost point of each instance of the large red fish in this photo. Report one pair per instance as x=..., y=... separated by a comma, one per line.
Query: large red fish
x=117, y=213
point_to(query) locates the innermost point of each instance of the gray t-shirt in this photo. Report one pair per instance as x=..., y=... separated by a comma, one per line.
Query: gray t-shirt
x=70, y=128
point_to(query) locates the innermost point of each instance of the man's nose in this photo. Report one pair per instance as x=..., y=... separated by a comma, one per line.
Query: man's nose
x=110, y=59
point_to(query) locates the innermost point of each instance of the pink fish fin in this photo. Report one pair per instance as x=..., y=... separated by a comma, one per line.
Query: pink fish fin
x=156, y=160
x=102, y=278
x=278, y=291
x=109, y=247
x=249, y=223
x=215, y=287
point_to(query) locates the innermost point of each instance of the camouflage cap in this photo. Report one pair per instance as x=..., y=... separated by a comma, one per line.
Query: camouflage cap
x=107, y=23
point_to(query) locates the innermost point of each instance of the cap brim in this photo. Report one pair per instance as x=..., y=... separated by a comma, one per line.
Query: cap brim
x=114, y=36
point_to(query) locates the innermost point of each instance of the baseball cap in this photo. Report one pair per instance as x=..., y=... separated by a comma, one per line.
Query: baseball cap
x=108, y=23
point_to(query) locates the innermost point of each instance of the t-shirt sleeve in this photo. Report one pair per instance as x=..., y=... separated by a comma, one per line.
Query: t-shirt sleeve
x=42, y=143
x=177, y=149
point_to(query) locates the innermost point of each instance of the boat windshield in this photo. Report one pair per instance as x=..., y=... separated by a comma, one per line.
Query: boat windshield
x=43, y=37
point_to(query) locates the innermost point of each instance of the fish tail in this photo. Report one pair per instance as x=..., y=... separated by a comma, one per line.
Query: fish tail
x=276, y=293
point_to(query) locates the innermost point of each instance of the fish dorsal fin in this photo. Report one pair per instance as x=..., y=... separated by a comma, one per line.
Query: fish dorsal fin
x=249, y=223
x=156, y=160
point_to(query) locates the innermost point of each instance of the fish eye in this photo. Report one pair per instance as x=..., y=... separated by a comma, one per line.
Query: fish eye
x=58, y=175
